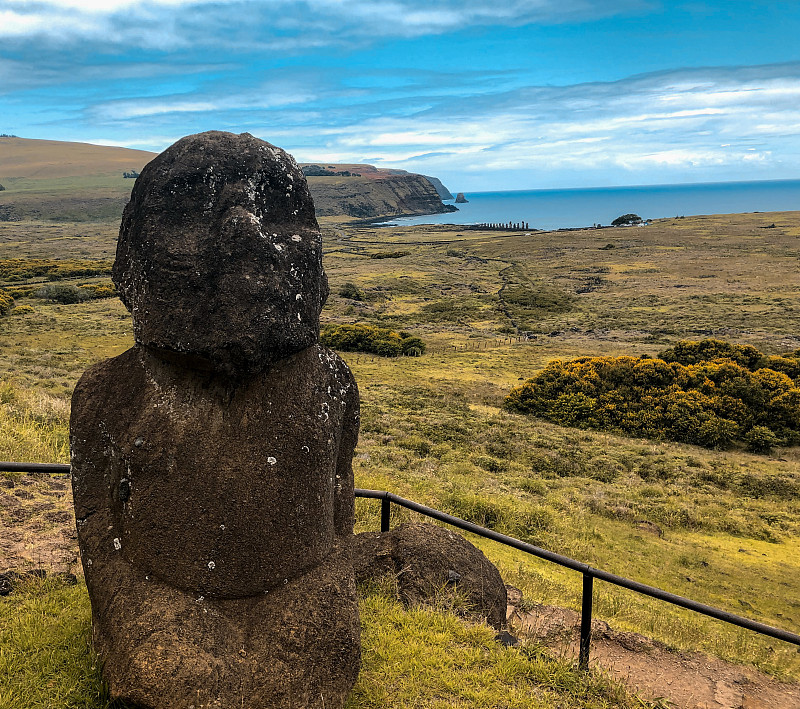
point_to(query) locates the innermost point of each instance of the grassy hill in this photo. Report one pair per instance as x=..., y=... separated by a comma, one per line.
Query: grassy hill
x=22, y=159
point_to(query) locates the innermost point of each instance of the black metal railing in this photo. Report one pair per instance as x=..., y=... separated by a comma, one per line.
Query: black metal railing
x=589, y=573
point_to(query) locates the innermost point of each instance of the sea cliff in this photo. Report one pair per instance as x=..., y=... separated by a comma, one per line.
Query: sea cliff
x=375, y=194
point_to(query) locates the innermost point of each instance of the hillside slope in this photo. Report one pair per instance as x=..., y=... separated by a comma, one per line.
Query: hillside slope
x=21, y=158
x=55, y=180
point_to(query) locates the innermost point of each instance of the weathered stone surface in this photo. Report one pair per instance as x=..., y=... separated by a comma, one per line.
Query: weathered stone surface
x=427, y=560
x=212, y=482
x=220, y=256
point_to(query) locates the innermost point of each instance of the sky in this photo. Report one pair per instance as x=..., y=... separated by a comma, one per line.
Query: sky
x=490, y=95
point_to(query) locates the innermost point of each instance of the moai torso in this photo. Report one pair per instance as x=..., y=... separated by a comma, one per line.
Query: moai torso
x=219, y=490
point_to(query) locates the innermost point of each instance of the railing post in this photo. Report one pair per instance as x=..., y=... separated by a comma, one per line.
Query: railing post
x=586, y=622
x=386, y=513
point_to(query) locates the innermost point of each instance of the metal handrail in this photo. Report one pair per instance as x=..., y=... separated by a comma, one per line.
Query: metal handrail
x=589, y=573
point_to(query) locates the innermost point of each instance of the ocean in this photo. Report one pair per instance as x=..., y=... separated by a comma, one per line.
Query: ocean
x=555, y=209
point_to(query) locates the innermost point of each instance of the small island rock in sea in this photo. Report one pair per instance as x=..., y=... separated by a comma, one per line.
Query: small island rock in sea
x=461, y=199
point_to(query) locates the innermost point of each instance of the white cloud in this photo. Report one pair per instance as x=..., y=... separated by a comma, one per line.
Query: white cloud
x=279, y=23
x=107, y=7
x=17, y=24
x=620, y=132
x=265, y=98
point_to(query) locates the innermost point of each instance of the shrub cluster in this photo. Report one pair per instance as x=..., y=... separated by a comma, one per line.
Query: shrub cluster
x=389, y=254
x=376, y=340
x=66, y=293
x=351, y=291
x=6, y=302
x=99, y=290
x=702, y=396
x=20, y=269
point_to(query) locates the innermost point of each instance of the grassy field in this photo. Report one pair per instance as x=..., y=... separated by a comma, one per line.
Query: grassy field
x=425, y=658
x=721, y=527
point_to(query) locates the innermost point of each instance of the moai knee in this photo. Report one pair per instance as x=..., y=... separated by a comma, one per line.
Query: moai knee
x=211, y=462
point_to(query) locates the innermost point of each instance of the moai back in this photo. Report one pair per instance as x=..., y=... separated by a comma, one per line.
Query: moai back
x=212, y=461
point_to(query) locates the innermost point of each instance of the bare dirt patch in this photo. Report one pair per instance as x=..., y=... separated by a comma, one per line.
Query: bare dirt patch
x=684, y=680
x=37, y=524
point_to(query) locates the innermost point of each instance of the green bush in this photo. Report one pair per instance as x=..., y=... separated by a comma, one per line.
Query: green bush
x=538, y=297
x=450, y=310
x=786, y=364
x=760, y=439
x=708, y=403
x=693, y=352
x=63, y=293
x=349, y=290
x=412, y=346
x=66, y=293
x=390, y=254
x=6, y=302
x=100, y=290
x=375, y=340
x=53, y=269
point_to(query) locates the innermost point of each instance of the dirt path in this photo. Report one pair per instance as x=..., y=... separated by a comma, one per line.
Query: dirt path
x=686, y=680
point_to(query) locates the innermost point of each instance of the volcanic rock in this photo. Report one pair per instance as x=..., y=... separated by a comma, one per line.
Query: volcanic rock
x=429, y=561
x=211, y=462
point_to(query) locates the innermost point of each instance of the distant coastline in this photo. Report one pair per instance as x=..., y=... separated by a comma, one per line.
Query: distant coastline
x=583, y=207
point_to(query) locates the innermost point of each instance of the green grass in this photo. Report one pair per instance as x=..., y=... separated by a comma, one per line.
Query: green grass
x=422, y=658
x=433, y=427
x=33, y=425
x=93, y=198
x=45, y=660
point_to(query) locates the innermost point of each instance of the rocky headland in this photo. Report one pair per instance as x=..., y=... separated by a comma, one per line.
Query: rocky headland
x=365, y=191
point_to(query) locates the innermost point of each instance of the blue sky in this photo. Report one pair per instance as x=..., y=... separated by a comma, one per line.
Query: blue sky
x=509, y=94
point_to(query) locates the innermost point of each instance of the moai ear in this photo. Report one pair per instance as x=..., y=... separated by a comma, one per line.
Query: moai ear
x=219, y=258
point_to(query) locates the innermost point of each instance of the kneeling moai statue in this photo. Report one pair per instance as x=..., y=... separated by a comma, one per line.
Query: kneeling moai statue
x=212, y=461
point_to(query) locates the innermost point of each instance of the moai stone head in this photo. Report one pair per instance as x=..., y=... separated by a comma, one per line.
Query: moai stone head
x=235, y=285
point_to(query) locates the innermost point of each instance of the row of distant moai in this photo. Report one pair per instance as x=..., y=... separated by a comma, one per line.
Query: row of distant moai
x=212, y=462
x=503, y=226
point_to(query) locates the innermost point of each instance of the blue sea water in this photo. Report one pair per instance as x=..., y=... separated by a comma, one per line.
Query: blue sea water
x=554, y=209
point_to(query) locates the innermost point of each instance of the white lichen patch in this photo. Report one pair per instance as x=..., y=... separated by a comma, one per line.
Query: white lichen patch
x=211, y=566
x=297, y=237
x=271, y=460
x=117, y=544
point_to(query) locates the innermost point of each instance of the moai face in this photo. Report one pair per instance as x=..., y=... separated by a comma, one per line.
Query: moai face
x=219, y=257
